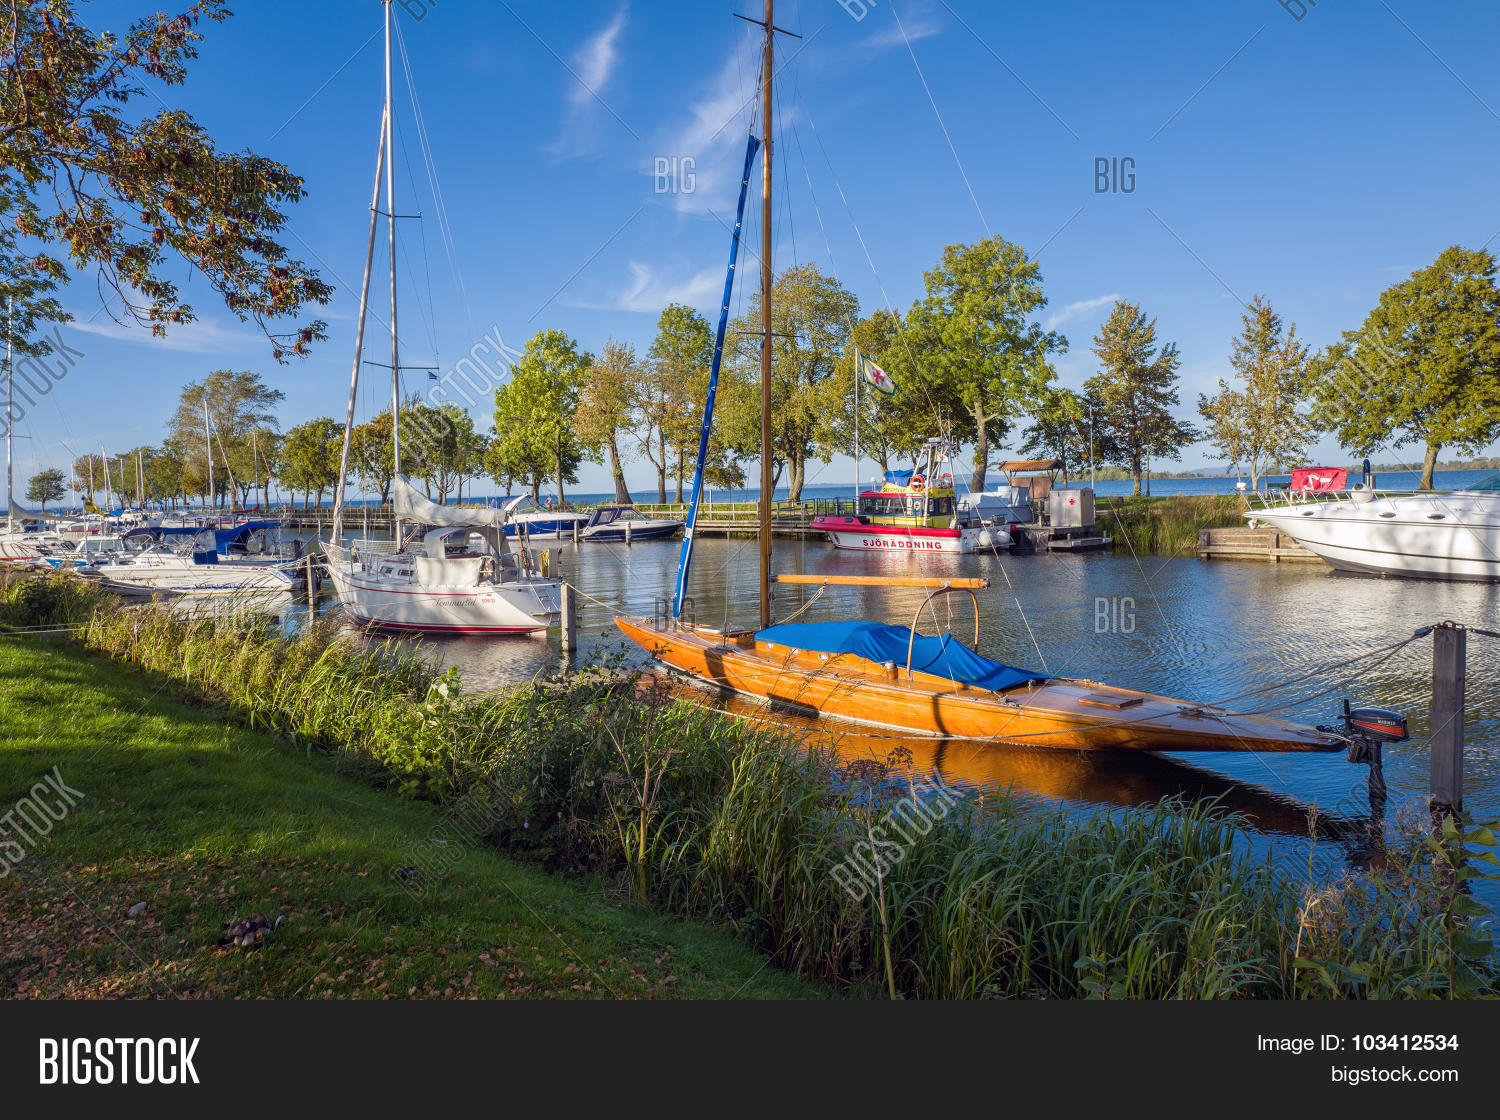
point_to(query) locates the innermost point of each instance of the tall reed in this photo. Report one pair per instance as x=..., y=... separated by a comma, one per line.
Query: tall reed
x=1167, y=526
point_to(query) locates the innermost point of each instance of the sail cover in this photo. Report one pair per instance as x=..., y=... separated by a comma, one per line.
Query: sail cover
x=412, y=506
x=880, y=642
x=752, y=145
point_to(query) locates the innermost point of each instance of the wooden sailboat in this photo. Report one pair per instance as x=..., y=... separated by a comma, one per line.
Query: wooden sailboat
x=891, y=676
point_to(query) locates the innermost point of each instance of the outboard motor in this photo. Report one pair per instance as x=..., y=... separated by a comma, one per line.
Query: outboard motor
x=1368, y=728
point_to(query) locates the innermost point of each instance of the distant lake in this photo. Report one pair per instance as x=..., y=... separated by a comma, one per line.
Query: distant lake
x=1160, y=487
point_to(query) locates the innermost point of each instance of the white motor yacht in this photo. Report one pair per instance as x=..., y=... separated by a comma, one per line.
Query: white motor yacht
x=1421, y=534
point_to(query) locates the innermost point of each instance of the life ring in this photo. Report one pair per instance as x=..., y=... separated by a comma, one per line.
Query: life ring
x=916, y=484
x=946, y=481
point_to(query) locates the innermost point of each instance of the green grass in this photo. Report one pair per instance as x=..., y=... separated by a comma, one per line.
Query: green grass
x=210, y=824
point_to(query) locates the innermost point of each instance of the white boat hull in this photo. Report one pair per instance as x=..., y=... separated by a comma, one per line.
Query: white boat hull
x=1448, y=536
x=196, y=579
x=522, y=607
x=892, y=538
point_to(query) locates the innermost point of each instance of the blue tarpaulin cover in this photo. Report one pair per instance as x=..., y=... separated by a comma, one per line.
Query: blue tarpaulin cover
x=899, y=478
x=942, y=656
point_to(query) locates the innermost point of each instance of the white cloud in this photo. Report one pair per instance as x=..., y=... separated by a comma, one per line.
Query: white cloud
x=891, y=36
x=596, y=62
x=704, y=151
x=194, y=338
x=592, y=67
x=1079, y=310
x=651, y=289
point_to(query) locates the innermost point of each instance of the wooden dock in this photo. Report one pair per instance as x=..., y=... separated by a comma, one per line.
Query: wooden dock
x=1244, y=543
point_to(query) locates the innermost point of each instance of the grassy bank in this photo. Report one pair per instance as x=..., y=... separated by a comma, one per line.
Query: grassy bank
x=1166, y=526
x=209, y=824
x=854, y=878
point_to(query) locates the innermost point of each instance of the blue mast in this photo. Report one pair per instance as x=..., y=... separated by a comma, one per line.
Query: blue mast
x=686, y=557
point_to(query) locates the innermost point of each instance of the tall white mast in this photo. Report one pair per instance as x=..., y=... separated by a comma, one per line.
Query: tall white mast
x=390, y=219
x=337, y=533
x=104, y=458
x=10, y=377
x=208, y=445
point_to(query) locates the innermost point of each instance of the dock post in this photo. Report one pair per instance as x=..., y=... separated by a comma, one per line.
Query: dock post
x=312, y=586
x=569, y=620
x=1449, y=649
x=575, y=531
x=627, y=532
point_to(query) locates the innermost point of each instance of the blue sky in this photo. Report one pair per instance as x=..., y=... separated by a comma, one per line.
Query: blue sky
x=1316, y=159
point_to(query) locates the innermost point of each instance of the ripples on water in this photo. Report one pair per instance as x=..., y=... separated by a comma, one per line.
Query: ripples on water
x=1199, y=630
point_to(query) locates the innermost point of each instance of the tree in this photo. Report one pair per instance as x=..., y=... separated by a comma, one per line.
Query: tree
x=1134, y=392
x=238, y=403
x=604, y=406
x=534, y=410
x=1060, y=430
x=1423, y=368
x=164, y=473
x=88, y=470
x=1261, y=426
x=371, y=455
x=49, y=486
x=977, y=350
x=681, y=358
x=119, y=190
x=811, y=316
x=310, y=457
x=889, y=428
x=439, y=445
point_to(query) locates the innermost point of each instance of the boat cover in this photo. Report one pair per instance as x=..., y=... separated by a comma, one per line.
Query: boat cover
x=899, y=478
x=880, y=642
x=412, y=506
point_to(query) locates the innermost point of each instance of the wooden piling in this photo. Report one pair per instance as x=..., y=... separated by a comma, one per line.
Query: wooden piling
x=312, y=583
x=627, y=532
x=1449, y=650
x=569, y=620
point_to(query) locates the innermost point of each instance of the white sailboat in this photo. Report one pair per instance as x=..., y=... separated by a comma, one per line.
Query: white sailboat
x=454, y=571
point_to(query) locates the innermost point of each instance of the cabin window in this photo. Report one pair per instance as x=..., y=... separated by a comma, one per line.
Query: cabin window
x=942, y=507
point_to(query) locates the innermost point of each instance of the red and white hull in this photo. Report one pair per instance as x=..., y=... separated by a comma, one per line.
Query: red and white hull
x=848, y=532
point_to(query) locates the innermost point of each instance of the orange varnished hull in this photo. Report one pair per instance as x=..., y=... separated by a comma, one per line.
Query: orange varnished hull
x=1059, y=714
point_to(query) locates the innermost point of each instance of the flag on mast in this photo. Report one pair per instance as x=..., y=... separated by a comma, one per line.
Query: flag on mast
x=877, y=377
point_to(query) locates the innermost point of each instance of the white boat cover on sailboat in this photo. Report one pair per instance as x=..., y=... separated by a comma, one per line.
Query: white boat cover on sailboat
x=412, y=506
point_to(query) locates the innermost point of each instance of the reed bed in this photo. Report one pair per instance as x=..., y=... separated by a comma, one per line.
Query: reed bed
x=852, y=875
x=1167, y=526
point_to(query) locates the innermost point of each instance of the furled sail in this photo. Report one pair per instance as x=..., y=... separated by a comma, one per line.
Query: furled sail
x=752, y=145
x=412, y=506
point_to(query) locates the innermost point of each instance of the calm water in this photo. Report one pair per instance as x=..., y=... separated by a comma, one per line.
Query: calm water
x=1202, y=631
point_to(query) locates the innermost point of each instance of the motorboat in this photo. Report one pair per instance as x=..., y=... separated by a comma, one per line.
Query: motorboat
x=213, y=561
x=1418, y=534
x=527, y=518
x=914, y=511
x=625, y=523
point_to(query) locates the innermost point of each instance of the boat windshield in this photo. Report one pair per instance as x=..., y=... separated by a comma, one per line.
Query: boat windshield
x=1489, y=485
